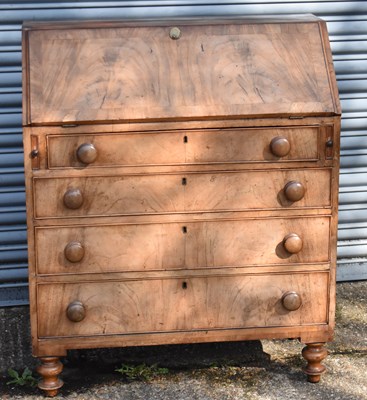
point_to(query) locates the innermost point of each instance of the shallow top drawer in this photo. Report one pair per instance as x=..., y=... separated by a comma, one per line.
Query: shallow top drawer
x=184, y=147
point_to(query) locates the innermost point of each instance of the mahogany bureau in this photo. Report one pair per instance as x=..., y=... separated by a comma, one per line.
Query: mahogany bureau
x=182, y=184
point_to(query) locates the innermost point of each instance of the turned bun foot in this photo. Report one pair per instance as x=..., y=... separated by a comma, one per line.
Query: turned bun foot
x=49, y=370
x=314, y=353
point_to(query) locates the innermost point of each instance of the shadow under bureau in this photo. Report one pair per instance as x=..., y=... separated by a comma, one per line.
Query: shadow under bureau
x=182, y=184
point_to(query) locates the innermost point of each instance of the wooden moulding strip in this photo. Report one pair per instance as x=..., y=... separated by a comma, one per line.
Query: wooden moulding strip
x=59, y=346
x=221, y=271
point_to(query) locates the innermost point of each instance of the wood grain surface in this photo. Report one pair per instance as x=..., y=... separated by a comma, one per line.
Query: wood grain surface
x=80, y=75
x=184, y=147
x=180, y=236
x=181, y=304
x=124, y=195
x=120, y=248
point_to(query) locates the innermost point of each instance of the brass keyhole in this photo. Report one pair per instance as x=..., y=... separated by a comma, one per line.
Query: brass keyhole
x=34, y=153
x=184, y=285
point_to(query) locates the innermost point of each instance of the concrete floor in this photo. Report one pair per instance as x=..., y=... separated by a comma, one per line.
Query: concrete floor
x=232, y=371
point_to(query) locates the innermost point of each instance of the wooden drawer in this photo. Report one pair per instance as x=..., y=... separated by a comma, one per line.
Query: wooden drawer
x=166, y=305
x=183, y=147
x=191, y=245
x=177, y=193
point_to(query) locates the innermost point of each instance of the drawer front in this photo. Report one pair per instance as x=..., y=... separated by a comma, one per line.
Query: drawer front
x=214, y=244
x=190, y=147
x=168, y=305
x=152, y=194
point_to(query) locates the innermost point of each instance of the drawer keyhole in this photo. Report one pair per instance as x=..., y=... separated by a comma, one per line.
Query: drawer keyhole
x=184, y=181
x=184, y=285
x=184, y=229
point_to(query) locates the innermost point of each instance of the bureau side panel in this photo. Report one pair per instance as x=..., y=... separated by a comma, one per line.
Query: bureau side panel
x=335, y=132
x=28, y=166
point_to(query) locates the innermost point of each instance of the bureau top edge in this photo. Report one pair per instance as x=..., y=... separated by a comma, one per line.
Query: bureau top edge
x=208, y=20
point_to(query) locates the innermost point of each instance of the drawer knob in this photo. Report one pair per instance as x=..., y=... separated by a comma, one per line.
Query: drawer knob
x=294, y=191
x=86, y=153
x=280, y=146
x=73, y=199
x=291, y=301
x=74, y=252
x=175, y=33
x=293, y=243
x=76, y=311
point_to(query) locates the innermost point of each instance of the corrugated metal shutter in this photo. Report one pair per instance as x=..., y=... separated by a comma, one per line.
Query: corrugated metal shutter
x=13, y=246
x=347, y=23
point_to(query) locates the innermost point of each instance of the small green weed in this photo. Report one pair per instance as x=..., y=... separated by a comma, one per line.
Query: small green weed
x=25, y=379
x=141, y=372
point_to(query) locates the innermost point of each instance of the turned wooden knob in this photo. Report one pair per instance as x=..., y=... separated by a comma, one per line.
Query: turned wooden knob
x=74, y=252
x=280, y=146
x=73, y=198
x=291, y=301
x=293, y=243
x=76, y=311
x=294, y=191
x=86, y=153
